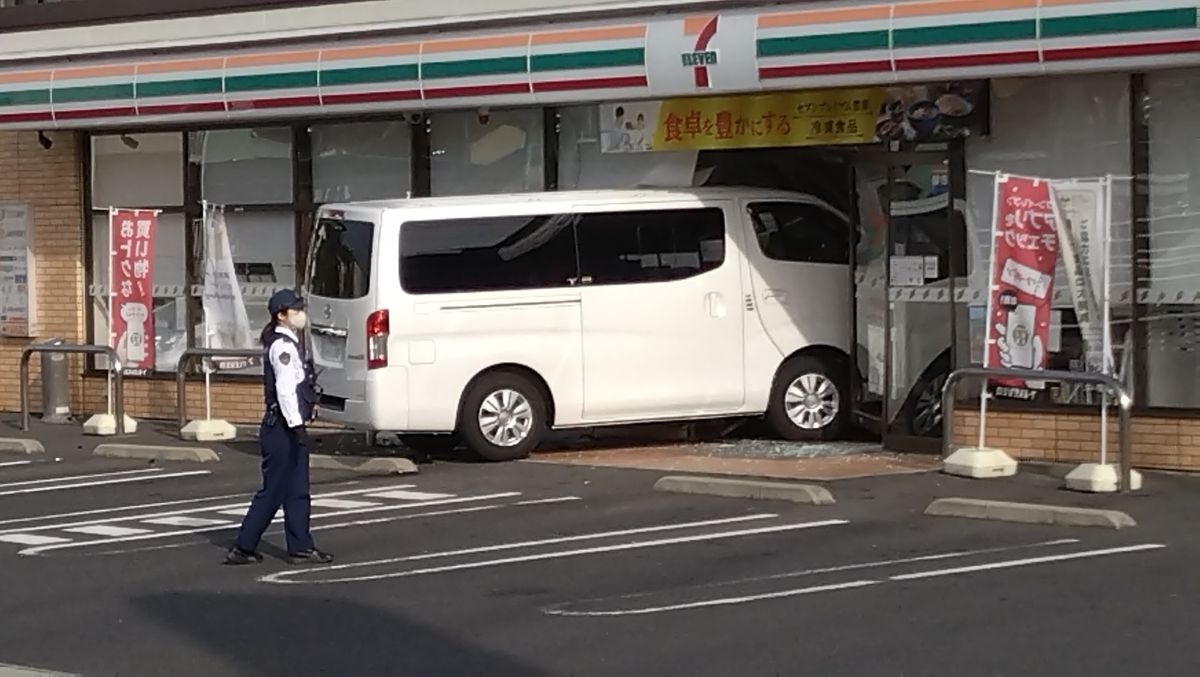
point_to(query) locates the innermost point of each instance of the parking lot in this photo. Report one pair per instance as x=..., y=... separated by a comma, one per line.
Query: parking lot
x=113, y=567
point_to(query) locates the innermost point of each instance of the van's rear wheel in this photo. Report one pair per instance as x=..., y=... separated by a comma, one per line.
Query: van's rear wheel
x=809, y=399
x=503, y=416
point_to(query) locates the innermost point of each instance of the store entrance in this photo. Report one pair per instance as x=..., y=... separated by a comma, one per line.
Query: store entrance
x=909, y=274
x=904, y=210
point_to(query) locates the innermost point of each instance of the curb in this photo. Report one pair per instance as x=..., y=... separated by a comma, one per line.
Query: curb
x=737, y=488
x=17, y=445
x=387, y=466
x=364, y=466
x=1029, y=513
x=157, y=453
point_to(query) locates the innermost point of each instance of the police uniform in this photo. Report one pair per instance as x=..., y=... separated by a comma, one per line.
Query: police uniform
x=290, y=394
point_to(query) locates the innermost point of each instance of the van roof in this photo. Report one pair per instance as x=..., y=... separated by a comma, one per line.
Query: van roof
x=553, y=197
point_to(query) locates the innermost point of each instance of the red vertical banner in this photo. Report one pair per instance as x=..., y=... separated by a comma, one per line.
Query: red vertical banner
x=1024, y=255
x=131, y=289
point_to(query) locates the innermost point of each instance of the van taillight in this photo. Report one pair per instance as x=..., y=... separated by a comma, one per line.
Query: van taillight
x=377, y=339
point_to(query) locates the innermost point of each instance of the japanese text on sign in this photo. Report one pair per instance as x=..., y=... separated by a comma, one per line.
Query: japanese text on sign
x=786, y=119
x=131, y=297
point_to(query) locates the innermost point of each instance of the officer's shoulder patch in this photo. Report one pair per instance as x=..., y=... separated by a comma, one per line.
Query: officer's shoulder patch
x=285, y=358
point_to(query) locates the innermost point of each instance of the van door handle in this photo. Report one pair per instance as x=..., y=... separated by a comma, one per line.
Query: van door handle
x=777, y=294
x=715, y=304
x=326, y=330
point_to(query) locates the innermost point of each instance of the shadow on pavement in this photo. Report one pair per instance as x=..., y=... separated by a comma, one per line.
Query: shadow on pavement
x=270, y=634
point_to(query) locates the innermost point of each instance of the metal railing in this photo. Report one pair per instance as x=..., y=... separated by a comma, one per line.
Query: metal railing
x=181, y=372
x=114, y=368
x=1116, y=388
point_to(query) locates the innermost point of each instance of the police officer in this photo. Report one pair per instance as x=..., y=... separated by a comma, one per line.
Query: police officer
x=289, y=388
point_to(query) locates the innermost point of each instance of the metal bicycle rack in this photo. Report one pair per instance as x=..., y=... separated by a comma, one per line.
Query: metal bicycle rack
x=181, y=372
x=114, y=368
x=1120, y=392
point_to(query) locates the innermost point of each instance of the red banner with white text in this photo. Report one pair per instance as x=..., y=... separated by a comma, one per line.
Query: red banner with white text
x=1024, y=255
x=131, y=292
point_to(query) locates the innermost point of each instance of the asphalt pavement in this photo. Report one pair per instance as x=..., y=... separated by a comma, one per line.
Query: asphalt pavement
x=113, y=568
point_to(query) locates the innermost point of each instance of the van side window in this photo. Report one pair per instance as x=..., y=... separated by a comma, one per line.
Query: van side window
x=650, y=246
x=340, y=263
x=794, y=231
x=488, y=253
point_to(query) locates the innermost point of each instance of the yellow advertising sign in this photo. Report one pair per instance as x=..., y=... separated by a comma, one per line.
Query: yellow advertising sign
x=812, y=118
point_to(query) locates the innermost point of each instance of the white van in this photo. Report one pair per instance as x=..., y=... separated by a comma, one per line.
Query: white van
x=494, y=318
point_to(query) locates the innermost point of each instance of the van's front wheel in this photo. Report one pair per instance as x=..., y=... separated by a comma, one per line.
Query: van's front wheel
x=503, y=417
x=809, y=400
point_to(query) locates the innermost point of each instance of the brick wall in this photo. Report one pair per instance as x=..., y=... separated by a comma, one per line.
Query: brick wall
x=1157, y=442
x=49, y=181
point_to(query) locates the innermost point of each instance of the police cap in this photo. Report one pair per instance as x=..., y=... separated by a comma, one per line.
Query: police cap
x=284, y=299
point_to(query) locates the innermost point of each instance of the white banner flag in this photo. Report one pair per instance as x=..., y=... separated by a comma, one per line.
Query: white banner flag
x=1080, y=211
x=226, y=324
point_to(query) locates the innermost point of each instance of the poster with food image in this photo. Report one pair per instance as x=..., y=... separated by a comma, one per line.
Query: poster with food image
x=933, y=112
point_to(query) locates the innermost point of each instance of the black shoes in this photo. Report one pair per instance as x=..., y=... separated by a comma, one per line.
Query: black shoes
x=310, y=556
x=238, y=557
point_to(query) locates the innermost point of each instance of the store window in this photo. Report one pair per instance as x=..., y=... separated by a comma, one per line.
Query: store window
x=584, y=164
x=1168, y=282
x=137, y=170
x=487, y=152
x=142, y=171
x=244, y=166
x=1054, y=127
x=249, y=172
x=361, y=161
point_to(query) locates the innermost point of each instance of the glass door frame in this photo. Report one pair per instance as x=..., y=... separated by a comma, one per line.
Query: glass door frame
x=952, y=157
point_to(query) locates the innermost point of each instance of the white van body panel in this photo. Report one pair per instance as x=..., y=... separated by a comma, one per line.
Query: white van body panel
x=698, y=347
x=799, y=305
x=666, y=350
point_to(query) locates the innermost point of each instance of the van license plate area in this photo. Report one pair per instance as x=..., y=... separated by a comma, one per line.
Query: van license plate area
x=329, y=350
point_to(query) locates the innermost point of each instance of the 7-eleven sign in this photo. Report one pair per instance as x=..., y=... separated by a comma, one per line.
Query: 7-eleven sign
x=703, y=29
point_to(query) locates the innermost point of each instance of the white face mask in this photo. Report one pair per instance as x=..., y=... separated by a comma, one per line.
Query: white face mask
x=297, y=319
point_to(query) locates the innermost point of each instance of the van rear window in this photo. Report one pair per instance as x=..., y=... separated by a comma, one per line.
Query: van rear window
x=340, y=262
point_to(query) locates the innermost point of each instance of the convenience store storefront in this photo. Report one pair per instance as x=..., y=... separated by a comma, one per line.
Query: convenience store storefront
x=1073, y=89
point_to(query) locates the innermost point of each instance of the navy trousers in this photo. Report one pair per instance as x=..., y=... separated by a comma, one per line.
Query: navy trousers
x=284, y=485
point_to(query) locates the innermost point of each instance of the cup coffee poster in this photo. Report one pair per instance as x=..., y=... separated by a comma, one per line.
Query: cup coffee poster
x=131, y=292
x=1024, y=255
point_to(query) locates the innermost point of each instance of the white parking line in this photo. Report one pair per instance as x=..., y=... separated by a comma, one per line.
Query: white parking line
x=922, y=575
x=106, y=530
x=408, y=495
x=185, y=532
x=341, y=503
x=88, y=485
x=1028, y=562
x=9, y=464
x=31, y=539
x=187, y=522
x=283, y=576
x=724, y=601
x=241, y=505
x=675, y=526
x=124, y=508
x=547, y=501
x=72, y=478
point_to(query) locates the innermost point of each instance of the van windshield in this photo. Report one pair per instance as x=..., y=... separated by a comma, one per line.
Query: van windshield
x=340, y=262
